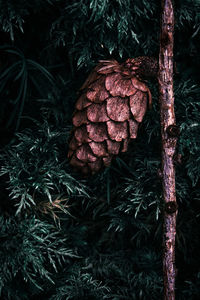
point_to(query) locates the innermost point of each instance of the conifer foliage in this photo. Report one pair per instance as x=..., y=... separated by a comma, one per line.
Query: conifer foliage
x=64, y=236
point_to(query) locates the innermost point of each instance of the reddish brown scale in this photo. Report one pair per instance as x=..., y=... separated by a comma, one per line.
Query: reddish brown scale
x=97, y=113
x=133, y=128
x=80, y=118
x=81, y=135
x=119, y=85
x=96, y=91
x=113, y=147
x=117, y=131
x=82, y=102
x=118, y=109
x=84, y=153
x=138, y=105
x=97, y=132
x=99, y=149
x=112, y=102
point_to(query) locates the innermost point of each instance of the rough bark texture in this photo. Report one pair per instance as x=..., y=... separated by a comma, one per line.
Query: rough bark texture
x=168, y=146
x=113, y=101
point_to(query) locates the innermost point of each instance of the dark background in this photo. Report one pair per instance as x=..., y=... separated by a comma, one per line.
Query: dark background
x=68, y=237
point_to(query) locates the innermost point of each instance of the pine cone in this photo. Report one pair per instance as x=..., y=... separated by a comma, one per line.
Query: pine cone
x=113, y=101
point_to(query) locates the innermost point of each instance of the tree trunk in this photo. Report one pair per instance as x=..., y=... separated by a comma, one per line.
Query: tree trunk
x=169, y=133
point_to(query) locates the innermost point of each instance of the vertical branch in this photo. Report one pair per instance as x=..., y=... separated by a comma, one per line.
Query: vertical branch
x=169, y=139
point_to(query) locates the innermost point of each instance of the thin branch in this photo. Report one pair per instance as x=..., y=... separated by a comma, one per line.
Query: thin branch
x=169, y=132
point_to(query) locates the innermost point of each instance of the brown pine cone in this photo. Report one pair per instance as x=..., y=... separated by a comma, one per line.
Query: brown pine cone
x=112, y=103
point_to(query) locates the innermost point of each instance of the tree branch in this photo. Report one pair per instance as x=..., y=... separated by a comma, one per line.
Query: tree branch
x=169, y=139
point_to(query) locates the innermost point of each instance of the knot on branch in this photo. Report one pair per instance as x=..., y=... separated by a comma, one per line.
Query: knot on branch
x=171, y=207
x=173, y=130
x=165, y=39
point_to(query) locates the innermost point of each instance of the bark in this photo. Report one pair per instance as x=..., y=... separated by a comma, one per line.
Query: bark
x=169, y=139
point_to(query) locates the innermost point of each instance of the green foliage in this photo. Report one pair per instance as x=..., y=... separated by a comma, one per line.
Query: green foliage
x=81, y=286
x=19, y=72
x=35, y=169
x=30, y=251
x=187, y=94
x=105, y=29
x=14, y=13
x=68, y=237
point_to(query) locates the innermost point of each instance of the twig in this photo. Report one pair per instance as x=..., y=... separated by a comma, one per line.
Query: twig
x=169, y=133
